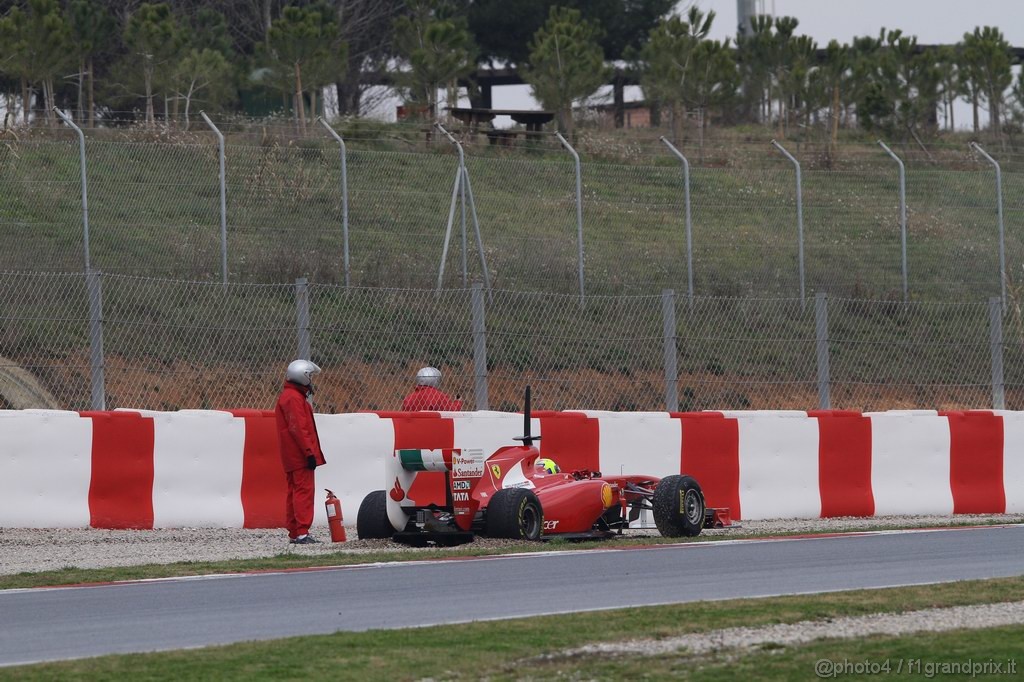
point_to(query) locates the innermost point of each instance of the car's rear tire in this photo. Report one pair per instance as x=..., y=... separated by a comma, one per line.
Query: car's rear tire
x=515, y=513
x=678, y=507
x=372, y=521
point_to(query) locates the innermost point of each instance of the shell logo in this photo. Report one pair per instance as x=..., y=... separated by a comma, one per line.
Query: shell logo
x=606, y=496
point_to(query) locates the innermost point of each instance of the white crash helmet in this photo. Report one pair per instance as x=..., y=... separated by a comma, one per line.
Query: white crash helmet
x=301, y=372
x=428, y=376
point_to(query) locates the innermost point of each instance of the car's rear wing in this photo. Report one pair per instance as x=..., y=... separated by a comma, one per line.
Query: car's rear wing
x=404, y=465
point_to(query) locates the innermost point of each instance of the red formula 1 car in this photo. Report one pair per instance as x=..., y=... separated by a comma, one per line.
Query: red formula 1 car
x=506, y=495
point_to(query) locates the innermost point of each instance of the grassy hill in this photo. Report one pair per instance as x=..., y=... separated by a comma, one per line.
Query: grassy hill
x=746, y=342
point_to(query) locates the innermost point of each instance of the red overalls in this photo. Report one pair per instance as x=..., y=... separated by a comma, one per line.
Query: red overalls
x=298, y=440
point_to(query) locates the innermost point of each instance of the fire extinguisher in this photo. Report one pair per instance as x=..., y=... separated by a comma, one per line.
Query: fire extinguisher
x=334, y=519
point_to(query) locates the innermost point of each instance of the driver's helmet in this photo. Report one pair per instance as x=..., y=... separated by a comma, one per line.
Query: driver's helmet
x=547, y=466
x=428, y=376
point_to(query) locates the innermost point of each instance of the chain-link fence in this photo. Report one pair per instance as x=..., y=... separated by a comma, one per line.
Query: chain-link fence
x=111, y=341
x=154, y=210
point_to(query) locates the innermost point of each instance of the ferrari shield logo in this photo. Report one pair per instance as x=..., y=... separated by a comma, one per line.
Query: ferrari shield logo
x=496, y=471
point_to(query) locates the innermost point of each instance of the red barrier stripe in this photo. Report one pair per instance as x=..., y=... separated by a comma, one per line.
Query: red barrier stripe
x=429, y=431
x=121, y=484
x=571, y=440
x=264, y=485
x=976, y=463
x=844, y=464
x=711, y=454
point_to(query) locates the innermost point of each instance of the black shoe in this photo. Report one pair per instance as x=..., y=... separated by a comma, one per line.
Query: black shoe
x=306, y=540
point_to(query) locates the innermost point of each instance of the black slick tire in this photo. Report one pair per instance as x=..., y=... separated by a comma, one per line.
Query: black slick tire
x=372, y=521
x=678, y=507
x=516, y=514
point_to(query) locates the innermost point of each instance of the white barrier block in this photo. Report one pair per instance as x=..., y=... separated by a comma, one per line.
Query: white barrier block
x=761, y=413
x=910, y=463
x=490, y=431
x=355, y=446
x=648, y=443
x=1013, y=460
x=45, y=467
x=197, y=469
x=778, y=467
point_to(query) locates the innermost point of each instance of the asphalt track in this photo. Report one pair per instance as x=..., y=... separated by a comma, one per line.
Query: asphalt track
x=63, y=623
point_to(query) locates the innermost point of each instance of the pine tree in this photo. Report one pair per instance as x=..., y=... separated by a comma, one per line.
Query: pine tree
x=566, y=63
x=668, y=64
x=155, y=39
x=437, y=48
x=305, y=51
x=92, y=27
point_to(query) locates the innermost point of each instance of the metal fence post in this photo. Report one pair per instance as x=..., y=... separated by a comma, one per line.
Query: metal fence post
x=85, y=185
x=94, y=288
x=223, y=202
x=668, y=316
x=903, y=216
x=344, y=200
x=799, y=217
x=821, y=332
x=689, y=226
x=462, y=186
x=479, y=347
x=302, y=317
x=995, y=332
x=999, y=213
x=479, y=240
x=579, y=209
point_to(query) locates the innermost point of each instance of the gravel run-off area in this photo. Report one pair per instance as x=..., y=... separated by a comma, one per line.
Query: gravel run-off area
x=736, y=641
x=44, y=549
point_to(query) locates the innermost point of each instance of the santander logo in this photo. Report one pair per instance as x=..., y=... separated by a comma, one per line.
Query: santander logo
x=397, y=494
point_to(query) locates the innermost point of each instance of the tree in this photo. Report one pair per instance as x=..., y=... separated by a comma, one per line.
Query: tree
x=834, y=73
x=566, y=63
x=40, y=41
x=799, y=79
x=781, y=54
x=367, y=27
x=437, y=48
x=303, y=42
x=950, y=83
x=155, y=38
x=987, y=61
x=668, y=63
x=92, y=28
x=210, y=32
x=715, y=81
x=204, y=72
x=755, y=54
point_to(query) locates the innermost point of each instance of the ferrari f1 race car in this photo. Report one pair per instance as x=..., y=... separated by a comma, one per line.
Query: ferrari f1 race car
x=506, y=495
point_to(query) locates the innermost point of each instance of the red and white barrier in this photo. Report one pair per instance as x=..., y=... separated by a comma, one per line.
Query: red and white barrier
x=129, y=469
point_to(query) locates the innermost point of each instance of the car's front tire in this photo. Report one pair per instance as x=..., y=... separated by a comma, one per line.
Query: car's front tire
x=678, y=507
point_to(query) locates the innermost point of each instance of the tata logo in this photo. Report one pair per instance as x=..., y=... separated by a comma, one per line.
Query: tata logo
x=460, y=497
x=461, y=485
